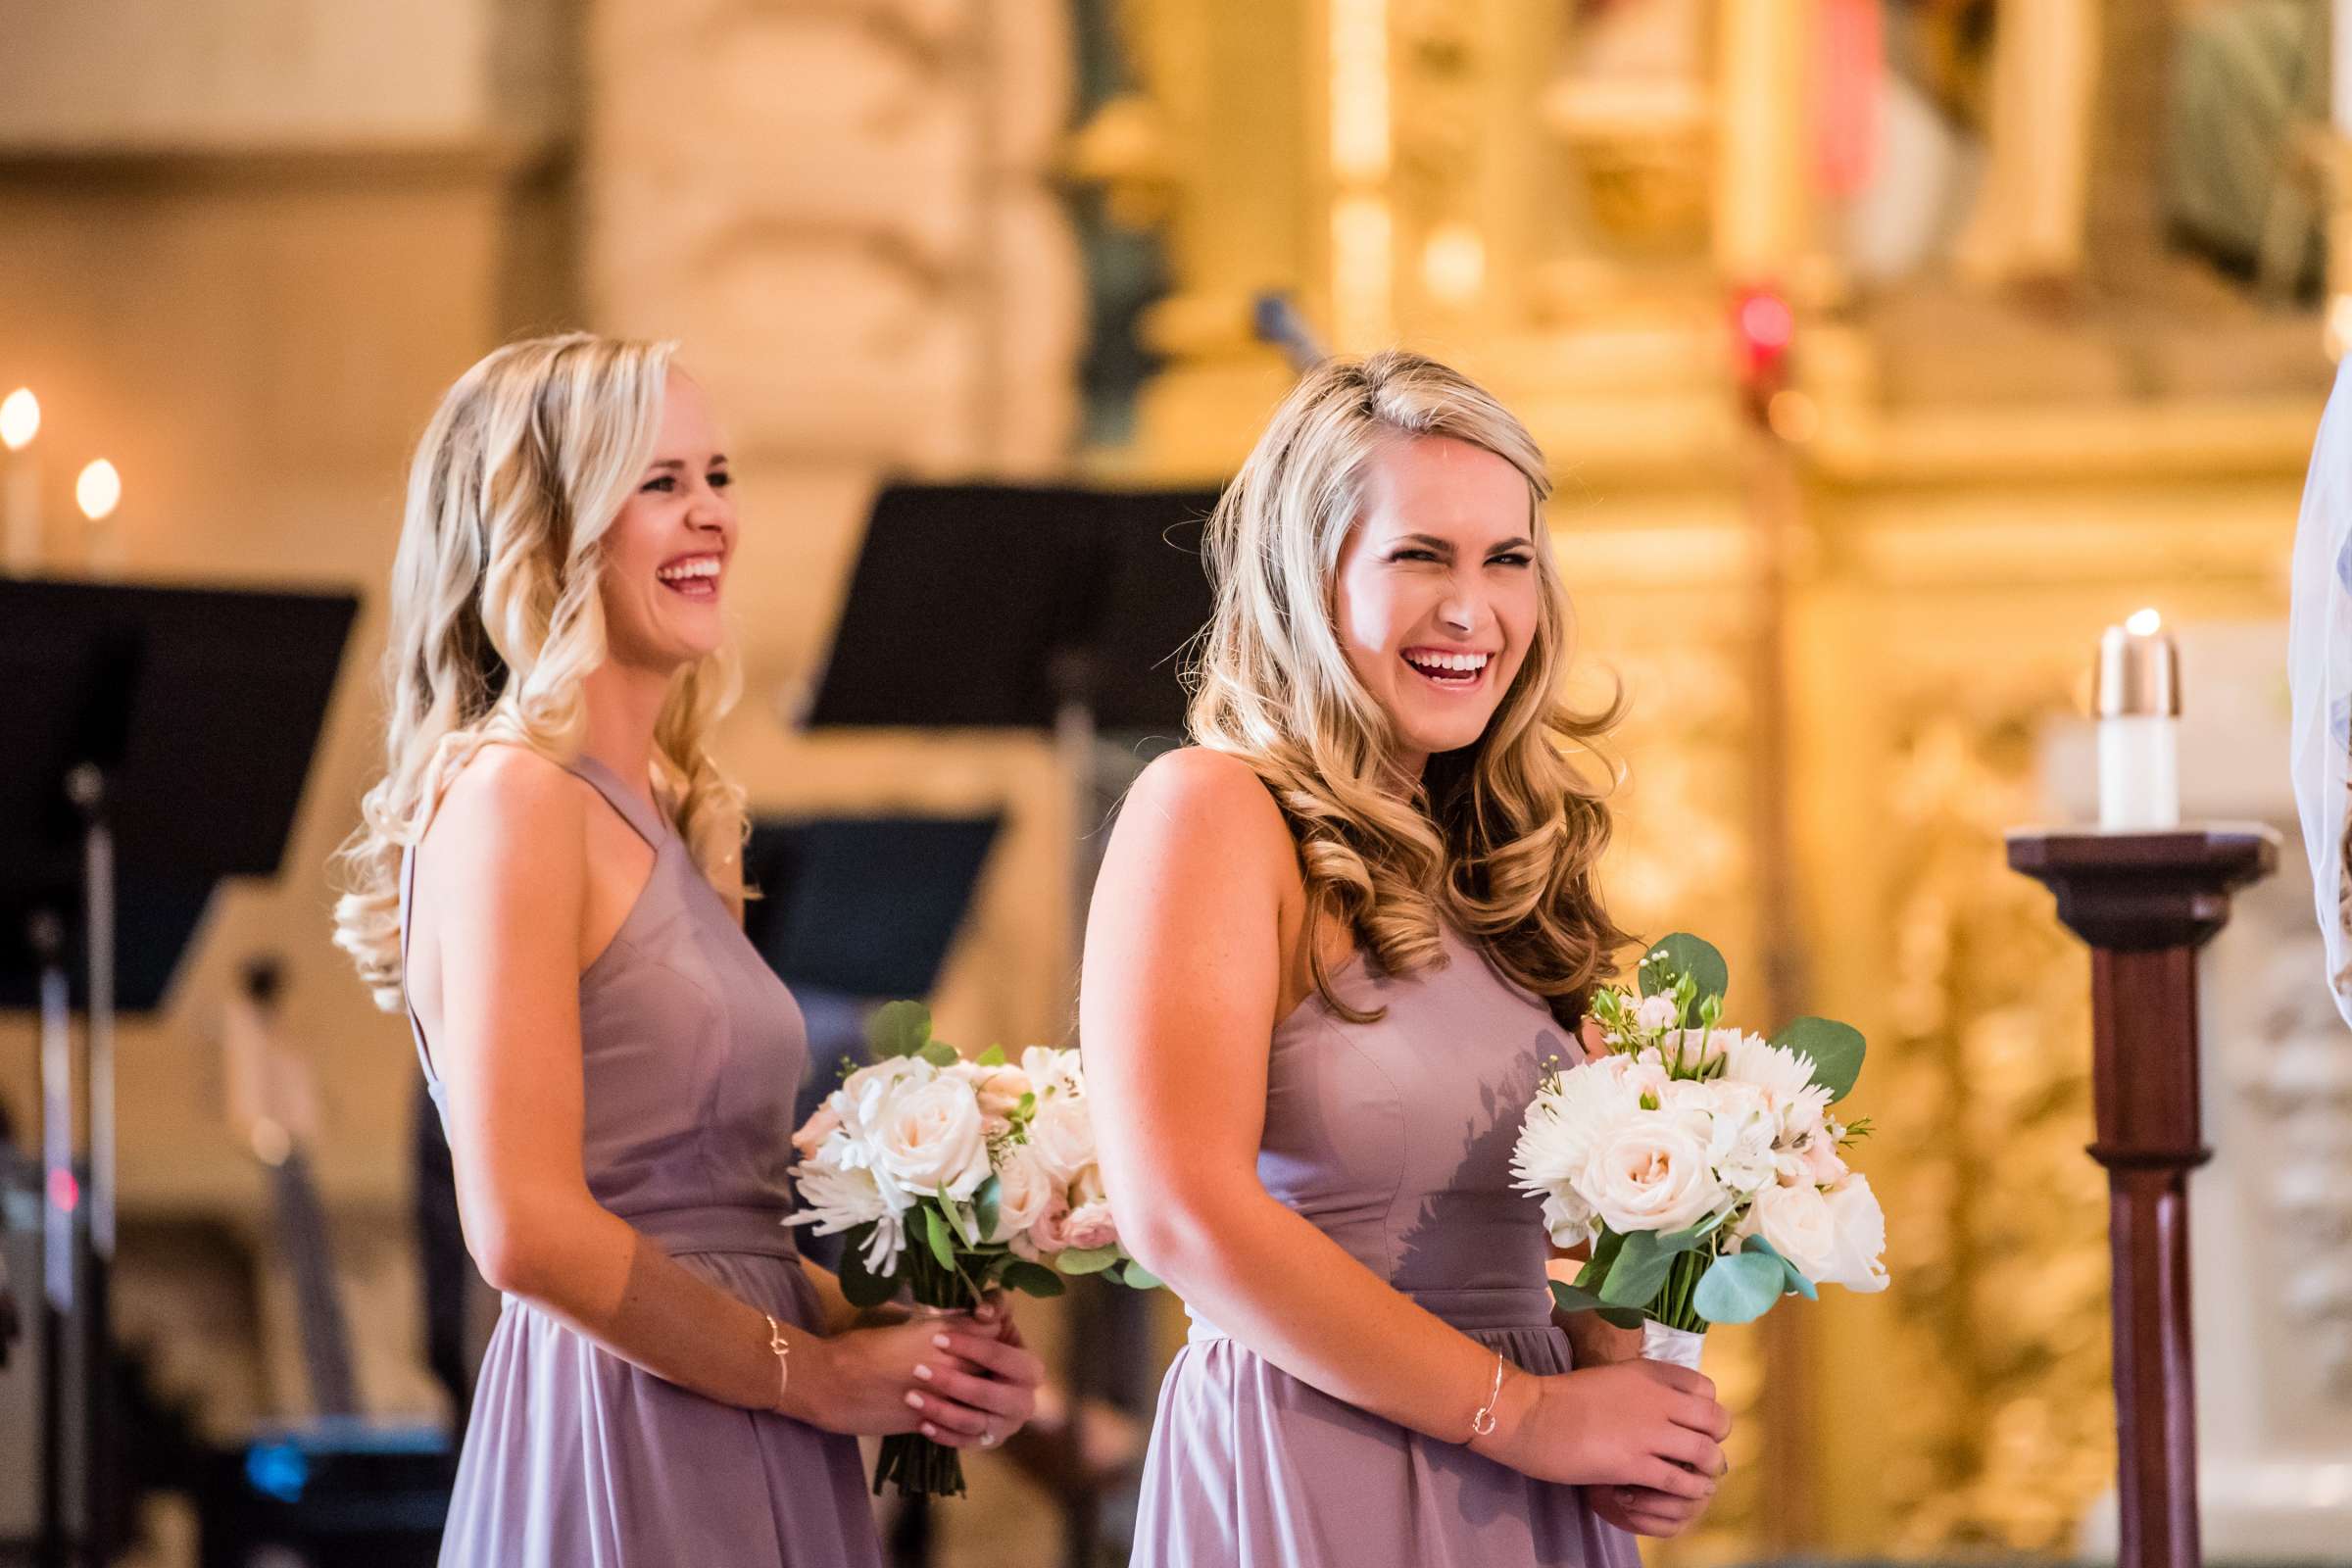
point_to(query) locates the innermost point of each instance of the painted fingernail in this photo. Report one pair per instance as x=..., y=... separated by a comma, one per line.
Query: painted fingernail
x=940, y=1340
x=923, y=1372
x=930, y=1431
x=914, y=1401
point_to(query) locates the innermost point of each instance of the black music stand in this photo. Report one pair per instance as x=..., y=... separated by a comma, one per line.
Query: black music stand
x=1055, y=608
x=156, y=741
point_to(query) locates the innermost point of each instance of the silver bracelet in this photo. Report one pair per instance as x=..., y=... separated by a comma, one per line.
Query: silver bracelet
x=1482, y=1425
x=782, y=1347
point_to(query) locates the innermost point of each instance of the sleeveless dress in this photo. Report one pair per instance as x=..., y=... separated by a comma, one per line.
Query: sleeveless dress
x=690, y=1050
x=1394, y=1138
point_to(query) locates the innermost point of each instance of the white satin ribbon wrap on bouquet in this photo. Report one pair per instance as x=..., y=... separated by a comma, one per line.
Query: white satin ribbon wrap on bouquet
x=1676, y=1347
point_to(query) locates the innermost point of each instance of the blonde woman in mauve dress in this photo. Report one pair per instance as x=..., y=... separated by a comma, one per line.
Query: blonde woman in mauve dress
x=547, y=879
x=1333, y=944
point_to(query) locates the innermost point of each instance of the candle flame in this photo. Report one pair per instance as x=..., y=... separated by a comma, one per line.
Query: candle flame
x=20, y=419
x=2144, y=623
x=98, y=491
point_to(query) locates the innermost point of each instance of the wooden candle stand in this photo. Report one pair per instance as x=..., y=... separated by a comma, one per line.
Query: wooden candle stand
x=2145, y=902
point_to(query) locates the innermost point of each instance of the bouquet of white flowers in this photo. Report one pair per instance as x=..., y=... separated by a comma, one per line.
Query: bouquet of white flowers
x=950, y=1176
x=1702, y=1164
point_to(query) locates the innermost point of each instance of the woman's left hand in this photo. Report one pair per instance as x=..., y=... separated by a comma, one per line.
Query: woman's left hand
x=994, y=1404
x=1643, y=1512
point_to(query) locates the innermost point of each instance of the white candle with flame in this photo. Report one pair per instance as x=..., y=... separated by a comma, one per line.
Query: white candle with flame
x=2137, y=701
x=21, y=506
x=98, y=492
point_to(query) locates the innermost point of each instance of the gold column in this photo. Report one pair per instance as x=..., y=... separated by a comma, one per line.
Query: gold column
x=1764, y=88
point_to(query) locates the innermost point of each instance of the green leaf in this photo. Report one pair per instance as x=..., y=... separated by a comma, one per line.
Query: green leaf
x=1139, y=1277
x=1797, y=1281
x=1740, y=1288
x=1086, y=1259
x=943, y=1243
x=1605, y=1254
x=985, y=1206
x=939, y=1054
x=992, y=1056
x=1679, y=955
x=1031, y=1279
x=898, y=1029
x=1568, y=1298
x=1642, y=1263
x=1835, y=1049
x=862, y=1287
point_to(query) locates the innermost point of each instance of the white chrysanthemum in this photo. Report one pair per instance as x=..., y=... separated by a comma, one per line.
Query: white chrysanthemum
x=841, y=1199
x=1780, y=1072
x=1564, y=1123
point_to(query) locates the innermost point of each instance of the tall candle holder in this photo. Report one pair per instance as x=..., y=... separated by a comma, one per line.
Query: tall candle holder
x=2146, y=895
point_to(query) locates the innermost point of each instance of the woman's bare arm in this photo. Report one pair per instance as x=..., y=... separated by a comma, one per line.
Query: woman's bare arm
x=504, y=871
x=1184, y=968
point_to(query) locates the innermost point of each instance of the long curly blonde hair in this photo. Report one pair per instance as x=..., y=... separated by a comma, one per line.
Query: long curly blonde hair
x=1498, y=840
x=496, y=617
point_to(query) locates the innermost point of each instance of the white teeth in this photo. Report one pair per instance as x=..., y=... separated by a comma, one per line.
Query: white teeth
x=1457, y=661
x=700, y=566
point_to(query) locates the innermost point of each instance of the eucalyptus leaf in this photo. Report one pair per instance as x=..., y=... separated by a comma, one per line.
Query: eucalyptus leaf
x=1139, y=1277
x=1606, y=1249
x=1740, y=1288
x=1086, y=1259
x=985, y=1205
x=1679, y=955
x=898, y=1029
x=1031, y=1279
x=1640, y=1271
x=1797, y=1281
x=992, y=1056
x=939, y=1054
x=943, y=1244
x=1835, y=1049
x=1568, y=1298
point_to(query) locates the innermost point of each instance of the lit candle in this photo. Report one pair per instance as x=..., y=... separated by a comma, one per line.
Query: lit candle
x=2137, y=702
x=98, y=492
x=20, y=508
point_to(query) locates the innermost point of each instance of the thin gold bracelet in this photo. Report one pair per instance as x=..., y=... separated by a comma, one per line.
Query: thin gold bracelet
x=1482, y=1425
x=782, y=1347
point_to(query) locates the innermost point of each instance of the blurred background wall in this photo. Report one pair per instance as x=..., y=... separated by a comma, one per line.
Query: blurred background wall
x=1886, y=349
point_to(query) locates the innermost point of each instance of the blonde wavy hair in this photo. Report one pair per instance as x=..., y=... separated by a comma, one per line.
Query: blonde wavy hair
x=496, y=616
x=1498, y=840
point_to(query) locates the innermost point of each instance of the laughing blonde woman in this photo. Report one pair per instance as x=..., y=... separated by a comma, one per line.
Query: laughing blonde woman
x=547, y=881
x=1333, y=944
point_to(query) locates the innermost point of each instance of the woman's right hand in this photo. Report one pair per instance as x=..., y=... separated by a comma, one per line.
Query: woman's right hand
x=866, y=1382
x=1633, y=1424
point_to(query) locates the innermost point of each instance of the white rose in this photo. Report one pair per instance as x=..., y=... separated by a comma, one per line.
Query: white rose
x=866, y=1096
x=1000, y=1088
x=1062, y=1137
x=1023, y=1193
x=1651, y=1174
x=1656, y=1013
x=1861, y=1237
x=931, y=1139
x=1798, y=1224
x=1092, y=1225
